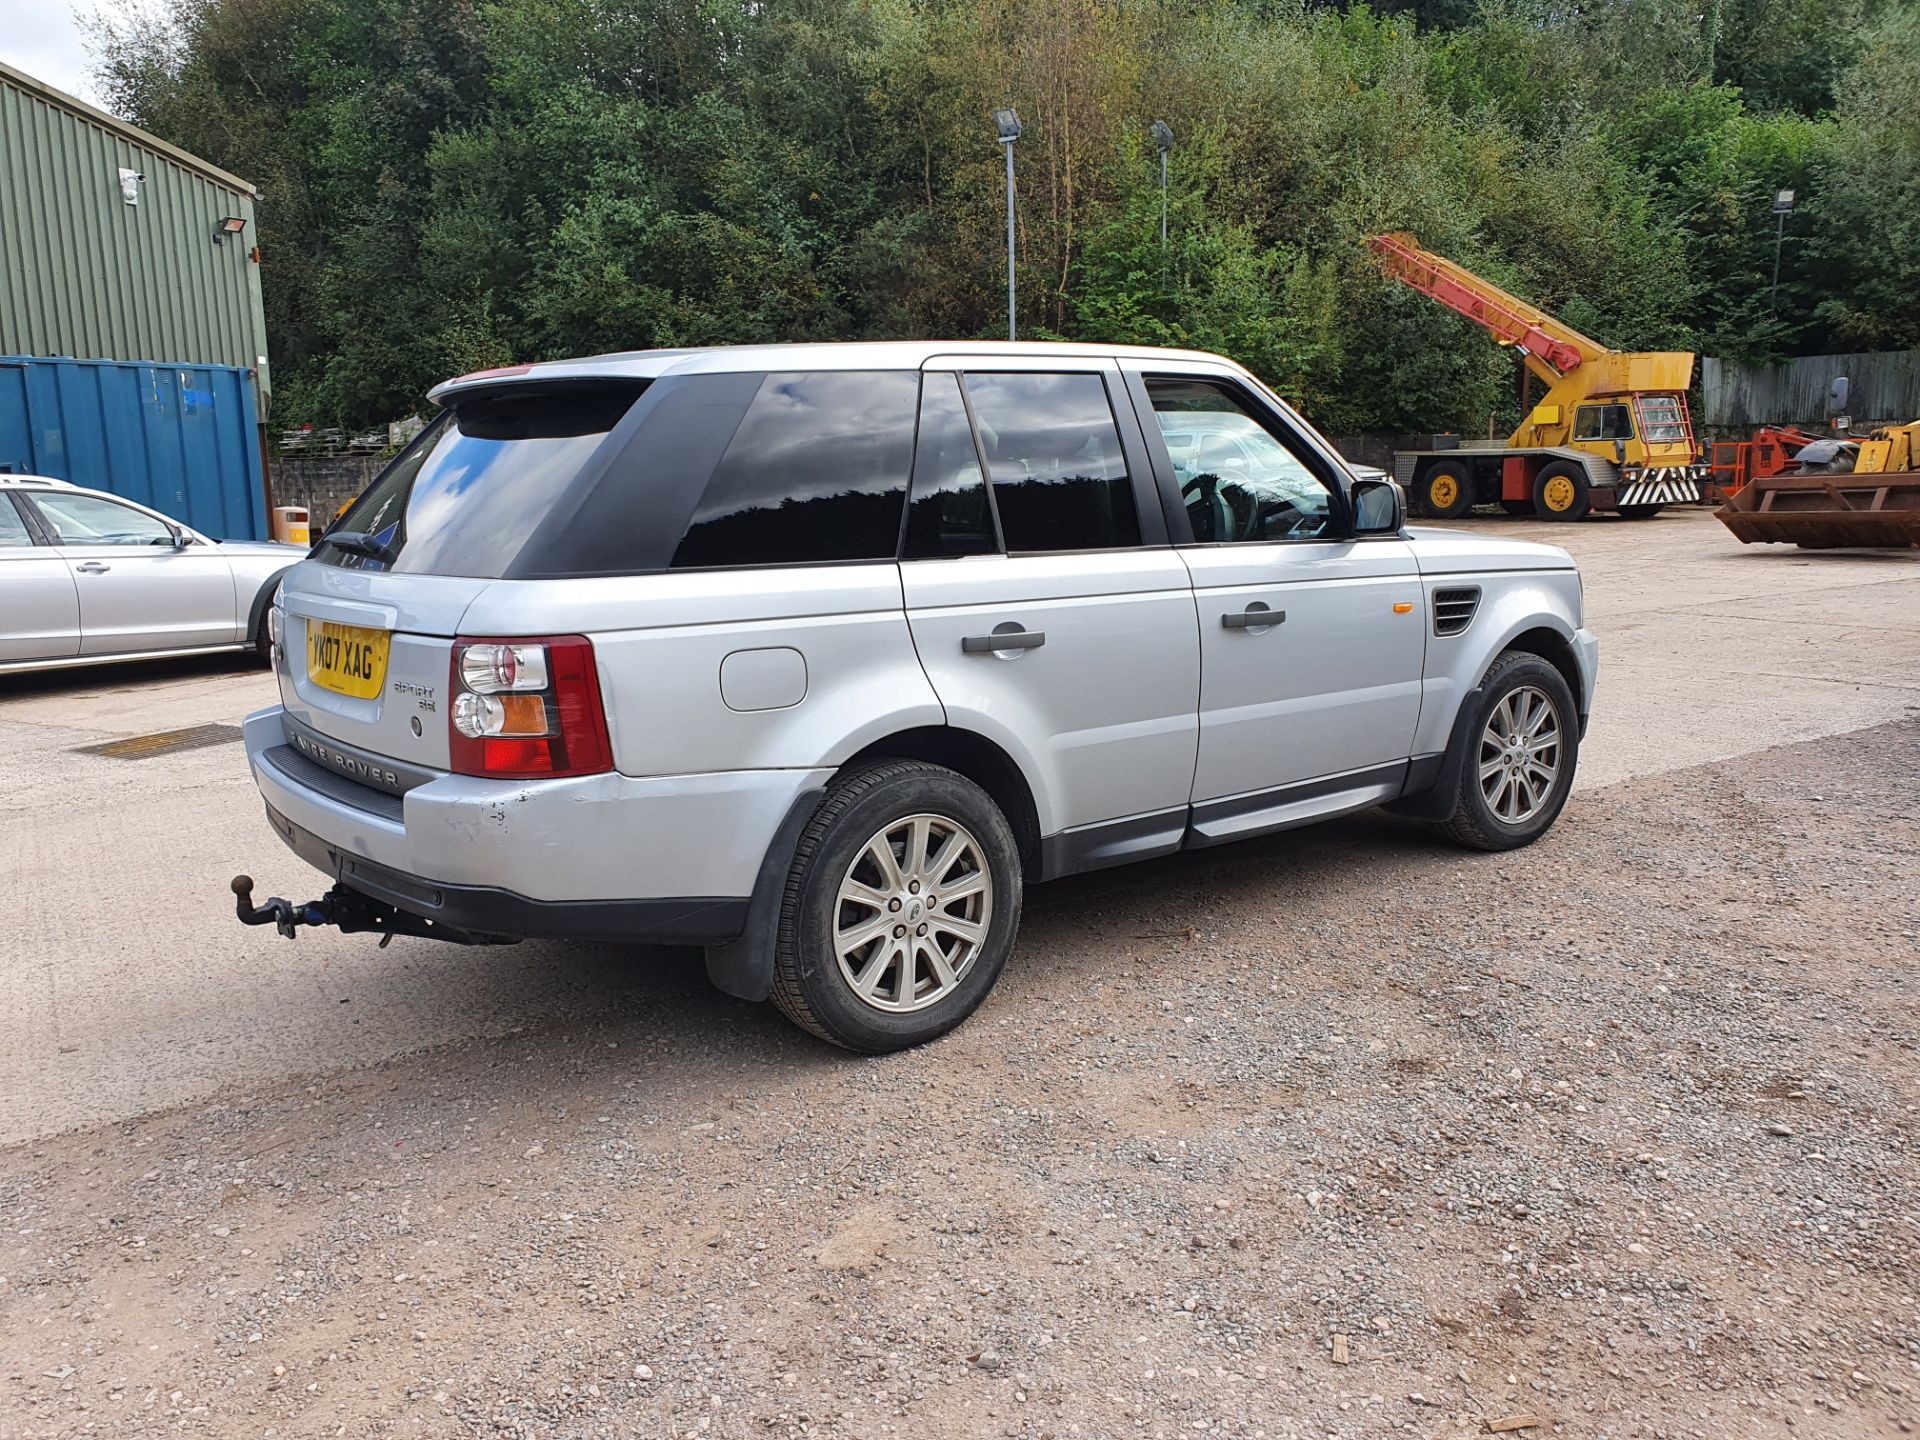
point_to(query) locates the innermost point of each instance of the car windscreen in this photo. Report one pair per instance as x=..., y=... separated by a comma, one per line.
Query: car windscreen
x=463, y=498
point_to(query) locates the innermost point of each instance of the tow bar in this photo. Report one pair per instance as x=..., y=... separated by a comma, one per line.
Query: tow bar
x=349, y=912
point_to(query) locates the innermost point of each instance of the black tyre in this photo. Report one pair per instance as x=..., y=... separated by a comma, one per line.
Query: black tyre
x=1446, y=489
x=1640, y=512
x=1522, y=745
x=262, y=651
x=1560, y=492
x=900, y=909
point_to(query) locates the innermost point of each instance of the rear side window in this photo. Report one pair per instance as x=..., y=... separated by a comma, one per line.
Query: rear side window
x=465, y=495
x=817, y=471
x=13, y=529
x=1059, y=479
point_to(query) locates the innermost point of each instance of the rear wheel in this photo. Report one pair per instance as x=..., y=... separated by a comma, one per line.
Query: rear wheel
x=1560, y=492
x=900, y=910
x=1523, y=741
x=1446, y=489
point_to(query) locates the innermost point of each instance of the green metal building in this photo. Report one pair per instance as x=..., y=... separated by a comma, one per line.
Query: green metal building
x=116, y=245
x=133, y=342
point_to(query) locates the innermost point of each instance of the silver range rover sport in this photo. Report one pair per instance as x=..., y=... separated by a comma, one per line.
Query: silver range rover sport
x=817, y=656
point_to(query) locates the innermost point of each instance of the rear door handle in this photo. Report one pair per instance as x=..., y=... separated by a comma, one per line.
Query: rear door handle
x=1012, y=639
x=1255, y=617
x=92, y=567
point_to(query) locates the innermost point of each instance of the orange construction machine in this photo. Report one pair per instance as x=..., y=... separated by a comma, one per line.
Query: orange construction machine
x=1613, y=431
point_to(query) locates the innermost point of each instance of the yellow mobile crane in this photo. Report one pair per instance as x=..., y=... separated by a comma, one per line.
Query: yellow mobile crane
x=1613, y=431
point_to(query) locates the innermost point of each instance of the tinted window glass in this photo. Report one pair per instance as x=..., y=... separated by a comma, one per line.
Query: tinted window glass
x=816, y=471
x=1059, y=480
x=13, y=530
x=465, y=495
x=84, y=520
x=950, y=515
x=1238, y=479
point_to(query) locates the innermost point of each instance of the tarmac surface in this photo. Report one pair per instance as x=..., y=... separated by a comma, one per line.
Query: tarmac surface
x=126, y=987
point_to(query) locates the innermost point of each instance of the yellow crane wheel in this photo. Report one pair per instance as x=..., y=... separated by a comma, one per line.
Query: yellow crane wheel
x=1559, y=494
x=1443, y=490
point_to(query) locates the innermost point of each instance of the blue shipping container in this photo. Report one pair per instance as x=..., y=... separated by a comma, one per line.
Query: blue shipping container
x=182, y=439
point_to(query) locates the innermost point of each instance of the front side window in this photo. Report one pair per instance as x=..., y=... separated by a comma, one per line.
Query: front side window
x=1238, y=480
x=1053, y=453
x=816, y=471
x=1602, y=422
x=89, y=520
x=13, y=529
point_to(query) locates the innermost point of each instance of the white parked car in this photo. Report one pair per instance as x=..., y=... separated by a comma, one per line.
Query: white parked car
x=87, y=577
x=818, y=655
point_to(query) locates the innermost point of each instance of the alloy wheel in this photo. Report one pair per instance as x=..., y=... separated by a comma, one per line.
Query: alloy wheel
x=912, y=913
x=1520, y=755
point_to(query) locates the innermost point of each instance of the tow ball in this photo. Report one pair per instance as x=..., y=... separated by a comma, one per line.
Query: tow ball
x=351, y=913
x=283, y=915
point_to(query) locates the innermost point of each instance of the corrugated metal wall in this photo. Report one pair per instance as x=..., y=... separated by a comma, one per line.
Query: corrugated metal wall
x=88, y=275
x=180, y=438
x=1883, y=389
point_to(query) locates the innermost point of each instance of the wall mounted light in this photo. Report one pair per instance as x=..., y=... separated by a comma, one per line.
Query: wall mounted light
x=227, y=225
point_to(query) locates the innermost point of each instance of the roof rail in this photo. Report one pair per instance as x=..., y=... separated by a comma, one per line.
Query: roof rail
x=38, y=481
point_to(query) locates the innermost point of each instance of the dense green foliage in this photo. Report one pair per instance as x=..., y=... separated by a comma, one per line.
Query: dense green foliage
x=455, y=183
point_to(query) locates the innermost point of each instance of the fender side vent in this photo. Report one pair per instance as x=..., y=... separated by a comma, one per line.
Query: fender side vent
x=1453, y=609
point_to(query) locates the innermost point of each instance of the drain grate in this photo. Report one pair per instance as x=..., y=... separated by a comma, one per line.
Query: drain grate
x=165, y=742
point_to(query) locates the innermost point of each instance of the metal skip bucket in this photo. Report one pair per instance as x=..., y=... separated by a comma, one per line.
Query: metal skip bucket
x=1825, y=512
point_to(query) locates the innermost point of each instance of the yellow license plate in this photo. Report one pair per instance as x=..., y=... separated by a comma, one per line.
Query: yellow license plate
x=347, y=659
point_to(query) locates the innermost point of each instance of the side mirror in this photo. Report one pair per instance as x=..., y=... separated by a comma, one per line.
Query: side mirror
x=1837, y=396
x=1619, y=452
x=181, y=540
x=1379, y=507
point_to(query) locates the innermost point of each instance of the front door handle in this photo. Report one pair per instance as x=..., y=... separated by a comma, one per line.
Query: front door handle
x=1255, y=617
x=93, y=567
x=1012, y=637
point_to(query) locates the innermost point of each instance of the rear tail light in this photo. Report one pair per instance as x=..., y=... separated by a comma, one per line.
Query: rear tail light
x=527, y=709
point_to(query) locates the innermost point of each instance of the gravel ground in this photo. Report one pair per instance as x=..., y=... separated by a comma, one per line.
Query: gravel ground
x=1615, y=1134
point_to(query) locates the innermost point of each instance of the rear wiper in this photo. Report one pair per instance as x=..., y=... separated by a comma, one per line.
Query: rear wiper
x=356, y=542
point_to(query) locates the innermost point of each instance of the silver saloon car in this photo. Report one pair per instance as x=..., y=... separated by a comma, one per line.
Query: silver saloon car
x=87, y=577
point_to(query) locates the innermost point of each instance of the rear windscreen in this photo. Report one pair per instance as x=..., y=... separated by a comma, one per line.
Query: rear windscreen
x=464, y=497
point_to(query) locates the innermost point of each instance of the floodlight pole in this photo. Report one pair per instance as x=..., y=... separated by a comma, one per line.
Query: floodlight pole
x=1163, y=197
x=1008, y=143
x=1782, y=207
x=1163, y=139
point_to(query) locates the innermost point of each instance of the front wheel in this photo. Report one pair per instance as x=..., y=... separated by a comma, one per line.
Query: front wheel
x=900, y=910
x=1561, y=492
x=1522, y=743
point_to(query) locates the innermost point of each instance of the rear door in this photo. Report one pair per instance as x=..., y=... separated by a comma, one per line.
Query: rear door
x=137, y=590
x=1047, y=607
x=1311, y=643
x=39, y=609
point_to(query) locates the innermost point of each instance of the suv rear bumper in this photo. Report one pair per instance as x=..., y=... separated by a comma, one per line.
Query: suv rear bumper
x=489, y=911
x=673, y=858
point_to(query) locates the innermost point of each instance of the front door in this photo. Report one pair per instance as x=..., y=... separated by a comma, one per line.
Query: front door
x=1048, y=610
x=137, y=591
x=1311, y=643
